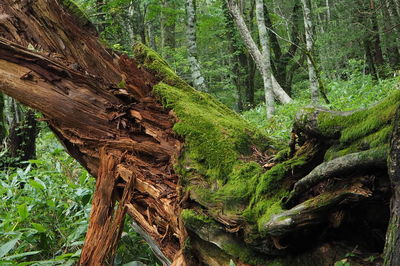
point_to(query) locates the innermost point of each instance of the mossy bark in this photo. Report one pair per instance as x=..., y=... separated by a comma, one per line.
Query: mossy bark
x=201, y=183
x=392, y=245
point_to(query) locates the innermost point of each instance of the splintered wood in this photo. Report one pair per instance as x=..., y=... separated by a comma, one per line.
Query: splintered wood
x=106, y=224
x=123, y=136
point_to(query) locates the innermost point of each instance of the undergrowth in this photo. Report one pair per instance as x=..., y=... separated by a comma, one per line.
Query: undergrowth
x=358, y=92
x=44, y=211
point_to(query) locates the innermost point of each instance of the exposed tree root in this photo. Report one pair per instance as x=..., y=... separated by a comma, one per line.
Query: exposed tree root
x=338, y=167
x=313, y=212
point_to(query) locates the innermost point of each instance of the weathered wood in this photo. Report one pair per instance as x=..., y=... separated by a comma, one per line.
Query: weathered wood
x=106, y=224
x=392, y=245
x=52, y=61
x=313, y=212
x=338, y=167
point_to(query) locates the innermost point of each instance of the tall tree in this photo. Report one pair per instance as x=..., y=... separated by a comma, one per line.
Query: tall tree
x=18, y=133
x=136, y=21
x=280, y=94
x=238, y=59
x=390, y=26
x=367, y=16
x=197, y=78
x=101, y=15
x=2, y=122
x=266, y=58
x=284, y=64
x=168, y=24
x=21, y=140
x=312, y=72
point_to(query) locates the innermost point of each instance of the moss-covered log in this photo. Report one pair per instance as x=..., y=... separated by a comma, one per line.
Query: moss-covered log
x=202, y=184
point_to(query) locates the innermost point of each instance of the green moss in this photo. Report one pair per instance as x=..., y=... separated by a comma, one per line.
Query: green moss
x=275, y=263
x=215, y=136
x=194, y=220
x=122, y=84
x=244, y=254
x=267, y=191
x=361, y=130
x=282, y=155
x=213, y=164
x=237, y=191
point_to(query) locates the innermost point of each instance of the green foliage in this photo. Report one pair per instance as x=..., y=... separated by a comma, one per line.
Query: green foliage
x=45, y=206
x=195, y=221
x=360, y=91
x=44, y=211
x=244, y=253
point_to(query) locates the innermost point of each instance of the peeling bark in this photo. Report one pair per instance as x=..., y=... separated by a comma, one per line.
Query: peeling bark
x=392, y=245
x=51, y=63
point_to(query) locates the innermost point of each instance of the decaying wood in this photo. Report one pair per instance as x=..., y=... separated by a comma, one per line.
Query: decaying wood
x=392, y=244
x=52, y=62
x=312, y=212
x=337, y=167
x=105, y=227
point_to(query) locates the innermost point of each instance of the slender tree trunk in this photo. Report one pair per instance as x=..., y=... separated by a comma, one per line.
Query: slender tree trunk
x=312, y=74
x=136, y=24
x=266, y=58
x=280, y=94
x=22, y=133
x=131, y=24
x=282, y=60
x=248, y=60
x=101, y=17
x=390, y=25
x=169, y=25
x=150, y=33
x=376, y=39
x=2, y=122
x=236, y=59
x=328, y=10
x=397, y=5
x=250, y=88
x=198, y=80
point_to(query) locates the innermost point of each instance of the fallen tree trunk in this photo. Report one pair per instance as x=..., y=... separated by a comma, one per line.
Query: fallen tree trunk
x=202, y=185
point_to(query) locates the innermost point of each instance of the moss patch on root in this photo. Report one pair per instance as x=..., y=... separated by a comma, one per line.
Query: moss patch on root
x=361, y=130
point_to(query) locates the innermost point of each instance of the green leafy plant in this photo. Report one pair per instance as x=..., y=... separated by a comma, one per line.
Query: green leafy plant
x=44, y=211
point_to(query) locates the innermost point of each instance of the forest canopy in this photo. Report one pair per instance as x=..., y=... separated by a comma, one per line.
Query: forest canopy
x=191, y=132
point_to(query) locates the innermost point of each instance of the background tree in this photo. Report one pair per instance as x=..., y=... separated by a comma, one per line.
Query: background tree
x=312, y=72
x=255, y=52
x=266, y=58
x=198, y=80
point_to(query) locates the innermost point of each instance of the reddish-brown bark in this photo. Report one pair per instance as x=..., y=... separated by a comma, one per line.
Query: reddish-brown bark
x=53, y=62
